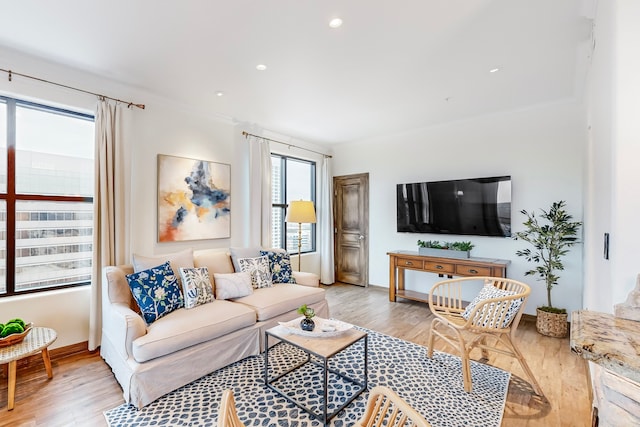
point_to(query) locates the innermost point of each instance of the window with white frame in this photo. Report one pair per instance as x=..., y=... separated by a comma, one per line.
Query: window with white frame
x=291, y=179
x=46, y=197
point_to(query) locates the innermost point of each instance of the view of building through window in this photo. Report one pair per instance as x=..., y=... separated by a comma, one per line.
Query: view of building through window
x=46, y=200
x=291, y=179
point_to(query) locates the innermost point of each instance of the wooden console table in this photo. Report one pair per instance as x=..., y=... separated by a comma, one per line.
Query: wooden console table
x=399, y=261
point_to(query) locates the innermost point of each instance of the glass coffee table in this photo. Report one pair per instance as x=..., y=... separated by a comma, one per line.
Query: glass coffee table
x=299, y=378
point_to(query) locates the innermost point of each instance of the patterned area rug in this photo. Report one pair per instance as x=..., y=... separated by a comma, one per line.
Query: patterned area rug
x=432, y=386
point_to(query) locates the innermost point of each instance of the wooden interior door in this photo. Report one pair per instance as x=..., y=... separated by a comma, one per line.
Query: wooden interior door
x=351, y=219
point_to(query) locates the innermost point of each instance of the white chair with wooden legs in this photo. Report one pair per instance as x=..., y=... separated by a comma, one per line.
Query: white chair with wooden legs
x=227, y=415
x=494, y=314
x=386, y=408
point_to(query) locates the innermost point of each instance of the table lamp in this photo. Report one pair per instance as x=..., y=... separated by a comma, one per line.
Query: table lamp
x=302, y=212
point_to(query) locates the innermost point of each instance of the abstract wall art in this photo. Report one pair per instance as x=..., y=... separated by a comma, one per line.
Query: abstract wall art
x=194, y=199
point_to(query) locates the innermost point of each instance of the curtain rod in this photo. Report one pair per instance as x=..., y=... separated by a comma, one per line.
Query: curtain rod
x=129, y=104
x=246, y=134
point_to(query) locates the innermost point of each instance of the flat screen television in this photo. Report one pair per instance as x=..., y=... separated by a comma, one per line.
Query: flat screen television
x=479, y=206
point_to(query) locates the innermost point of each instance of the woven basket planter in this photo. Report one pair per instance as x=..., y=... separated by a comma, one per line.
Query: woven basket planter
x=551, y=324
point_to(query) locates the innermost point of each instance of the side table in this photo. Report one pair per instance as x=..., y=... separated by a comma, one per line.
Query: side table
x=37, y=341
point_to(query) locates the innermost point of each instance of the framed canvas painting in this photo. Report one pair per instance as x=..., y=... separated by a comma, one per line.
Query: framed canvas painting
x=194, y=199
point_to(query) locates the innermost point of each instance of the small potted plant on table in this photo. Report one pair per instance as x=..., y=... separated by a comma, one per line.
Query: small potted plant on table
x=307, y=324
x=551, y=241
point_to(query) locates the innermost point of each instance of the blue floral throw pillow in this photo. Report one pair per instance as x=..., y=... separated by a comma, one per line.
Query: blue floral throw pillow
x=280, y=265
x=197, y=286
x=156, y=292
x=258, y=269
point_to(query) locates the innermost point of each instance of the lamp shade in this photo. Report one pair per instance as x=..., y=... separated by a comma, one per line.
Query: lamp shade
x=301, y=211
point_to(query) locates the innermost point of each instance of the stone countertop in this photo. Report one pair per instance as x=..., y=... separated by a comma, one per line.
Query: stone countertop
x=609, y=341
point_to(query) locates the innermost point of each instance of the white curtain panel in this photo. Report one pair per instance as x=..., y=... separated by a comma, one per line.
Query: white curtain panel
x=325, y=223
x=110, y=243
x=260, y=192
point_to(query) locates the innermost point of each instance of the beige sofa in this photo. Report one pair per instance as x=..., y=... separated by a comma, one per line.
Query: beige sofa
x=150, y=361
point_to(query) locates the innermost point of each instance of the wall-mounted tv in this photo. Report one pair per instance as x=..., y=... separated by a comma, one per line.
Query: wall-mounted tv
x=480, y=207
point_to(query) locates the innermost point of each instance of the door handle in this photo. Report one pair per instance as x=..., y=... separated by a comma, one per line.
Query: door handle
x=361, y=237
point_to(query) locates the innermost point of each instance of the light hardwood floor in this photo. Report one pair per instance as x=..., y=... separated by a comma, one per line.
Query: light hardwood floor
x=83, y=385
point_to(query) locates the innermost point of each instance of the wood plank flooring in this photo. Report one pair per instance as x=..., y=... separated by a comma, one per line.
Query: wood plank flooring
x=83, y=385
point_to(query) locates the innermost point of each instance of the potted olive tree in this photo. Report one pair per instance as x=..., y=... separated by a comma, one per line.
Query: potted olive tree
x=551, y=240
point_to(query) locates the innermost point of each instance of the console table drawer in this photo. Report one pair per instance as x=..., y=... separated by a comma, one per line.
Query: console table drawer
x=472, y=270
x=410, y=263
x=439, y=267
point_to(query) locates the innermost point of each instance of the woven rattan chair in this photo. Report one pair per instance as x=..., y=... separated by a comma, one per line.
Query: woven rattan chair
x=227, y=415
x=386, y=408
x=488, y=323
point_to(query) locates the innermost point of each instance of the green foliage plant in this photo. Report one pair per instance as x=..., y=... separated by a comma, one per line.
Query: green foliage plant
x=11, y=328
x=454, y=246
x=551, y=240
x=307, y=312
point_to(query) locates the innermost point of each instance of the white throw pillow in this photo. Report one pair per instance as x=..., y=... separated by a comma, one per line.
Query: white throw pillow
x=232, y=285
x=259, y=270
x=488, y=292
x=196, y=286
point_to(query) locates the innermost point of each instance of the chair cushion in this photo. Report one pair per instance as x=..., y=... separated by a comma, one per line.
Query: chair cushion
x=232, y=285
x=156, y=292
x=184, y=328
x=258, y=269
x=280, y=266
x=196, y=286
x=487, y=292
x=281, y=298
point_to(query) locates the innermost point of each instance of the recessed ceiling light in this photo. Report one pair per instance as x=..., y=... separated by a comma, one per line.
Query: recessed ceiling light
x=335, y=23
x=219, y=93
x=261, y=67
x=494, y=70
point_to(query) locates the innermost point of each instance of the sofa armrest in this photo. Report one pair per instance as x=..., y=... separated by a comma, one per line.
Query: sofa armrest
x=306, y=279
x=123, y=326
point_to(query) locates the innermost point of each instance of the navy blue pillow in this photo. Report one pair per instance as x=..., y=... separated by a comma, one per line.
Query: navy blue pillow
x=156, y=292
x=280, y=265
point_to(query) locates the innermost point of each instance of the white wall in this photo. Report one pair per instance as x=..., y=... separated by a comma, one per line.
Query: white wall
x=541, y=148
x=614, y=102
x=67, y=311
x=599, y=165
x=162, y=128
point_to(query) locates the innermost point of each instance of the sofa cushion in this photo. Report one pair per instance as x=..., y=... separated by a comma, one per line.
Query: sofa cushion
x=182, y=259
x=215, y=260
x=184, y=328
x=280, y=299
x=196, y=286
x=280, y=266
x=156, y=291
x=237, y=253
x=258, y=269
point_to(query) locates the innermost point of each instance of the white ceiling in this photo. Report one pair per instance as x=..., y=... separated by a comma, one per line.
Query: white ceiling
x=392, y=66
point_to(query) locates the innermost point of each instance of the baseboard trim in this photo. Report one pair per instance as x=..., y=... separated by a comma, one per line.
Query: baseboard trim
x=35, y=361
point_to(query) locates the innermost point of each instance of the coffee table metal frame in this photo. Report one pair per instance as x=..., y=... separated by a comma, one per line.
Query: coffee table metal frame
x=323, y=348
